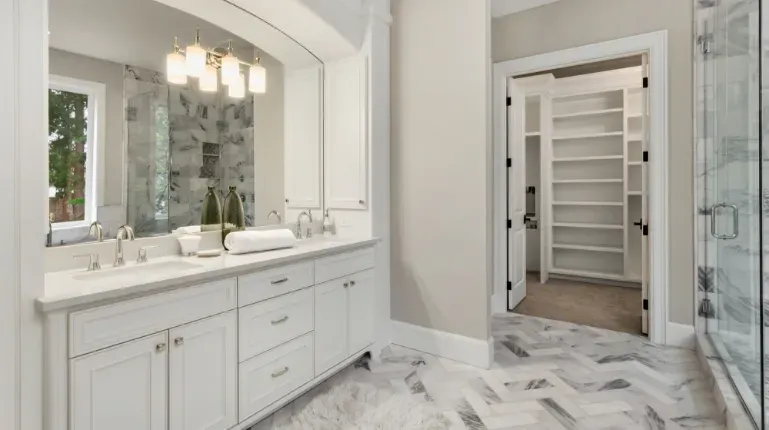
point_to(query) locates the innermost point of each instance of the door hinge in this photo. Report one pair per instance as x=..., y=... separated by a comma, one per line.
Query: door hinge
x=509, y=286
x=646, y=304
x=509, y=101
x=646, y=230
x=509, y=223
x=509, y=162
x=646, y=82
x=646, y=156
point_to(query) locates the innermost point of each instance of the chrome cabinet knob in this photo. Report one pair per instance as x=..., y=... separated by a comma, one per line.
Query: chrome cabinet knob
x=179, y=341
x=160, y=347
x=352, y=283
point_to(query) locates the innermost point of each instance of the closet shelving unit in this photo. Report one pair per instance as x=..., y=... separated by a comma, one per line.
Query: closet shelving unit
x=595, y=181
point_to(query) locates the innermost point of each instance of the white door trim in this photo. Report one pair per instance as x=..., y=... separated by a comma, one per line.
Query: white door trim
x=656, y=44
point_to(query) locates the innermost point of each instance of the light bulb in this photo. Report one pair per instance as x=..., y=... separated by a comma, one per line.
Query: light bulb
x=230, y=69
x=237, y=88
x=196, y=60
x=208, y=81
x=257, y=78
x=175, y=68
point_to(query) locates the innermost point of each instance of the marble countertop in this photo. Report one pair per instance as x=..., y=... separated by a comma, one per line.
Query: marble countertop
x=73, y=288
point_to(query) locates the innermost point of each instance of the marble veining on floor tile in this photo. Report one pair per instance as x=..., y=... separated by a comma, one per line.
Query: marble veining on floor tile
x=589, y=379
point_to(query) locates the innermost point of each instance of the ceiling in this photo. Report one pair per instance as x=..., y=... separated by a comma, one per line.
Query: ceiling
x=136, y=32
x=507, y=7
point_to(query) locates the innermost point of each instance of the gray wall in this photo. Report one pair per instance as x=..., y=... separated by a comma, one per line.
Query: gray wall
x=570, y=23
x=110, y=74
x=440, y=171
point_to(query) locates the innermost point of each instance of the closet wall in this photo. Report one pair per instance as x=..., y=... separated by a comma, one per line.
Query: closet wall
x=588, y=132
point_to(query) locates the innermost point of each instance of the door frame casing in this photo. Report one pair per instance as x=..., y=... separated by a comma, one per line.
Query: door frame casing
x=656, y=45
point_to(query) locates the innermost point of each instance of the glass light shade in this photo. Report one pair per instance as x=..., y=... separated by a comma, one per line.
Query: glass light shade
x=176, y=68
x=237, y=88
x=208, y=81
x=257, y=79
x=230, y=69
x=196, y=60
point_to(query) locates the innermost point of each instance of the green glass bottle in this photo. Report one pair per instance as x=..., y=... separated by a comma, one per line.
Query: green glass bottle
x=211, y=213
x=233, y=217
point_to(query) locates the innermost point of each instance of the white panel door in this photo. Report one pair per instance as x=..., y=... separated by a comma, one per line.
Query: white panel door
x=362, y=316
x=516, y=188
x=645, y=201
x=121, y=388
x=302, y=137
x=330, y=324
x=346, y=134
x=203, y=374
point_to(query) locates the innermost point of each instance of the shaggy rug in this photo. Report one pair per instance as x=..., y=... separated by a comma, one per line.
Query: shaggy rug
x=352, y=405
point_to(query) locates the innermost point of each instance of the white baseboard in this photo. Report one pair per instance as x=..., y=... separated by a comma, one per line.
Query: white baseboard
x=475, y=352
x=680, y=335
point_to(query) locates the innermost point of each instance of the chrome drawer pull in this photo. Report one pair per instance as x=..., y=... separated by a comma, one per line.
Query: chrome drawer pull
x=280, y=320
x=280, y=373
x=179, y=341
x=160, y=347
x=279, y=281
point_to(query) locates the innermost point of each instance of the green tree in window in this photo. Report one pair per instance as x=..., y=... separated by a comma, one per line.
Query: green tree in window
x=67, y=136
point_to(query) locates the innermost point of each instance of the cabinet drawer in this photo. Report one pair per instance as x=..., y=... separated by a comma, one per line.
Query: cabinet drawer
x=104, y=326
x=274, y=282
x=274, y=374
x=337, y=266
x=268, y=324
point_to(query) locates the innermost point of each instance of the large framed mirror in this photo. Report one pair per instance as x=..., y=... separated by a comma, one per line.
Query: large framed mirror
x=149, y=106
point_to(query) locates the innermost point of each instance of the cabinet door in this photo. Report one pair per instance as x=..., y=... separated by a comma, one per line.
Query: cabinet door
x=302, y=139
x=203, y=374
x=330, y=324
x=346, y=134
x=121, y=388
x=362, y=310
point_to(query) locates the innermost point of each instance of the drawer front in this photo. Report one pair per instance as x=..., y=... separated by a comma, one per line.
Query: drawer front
x=104, y=326
x=337, y=266
x=274, y=282
x=274, y=374
x=265, y=325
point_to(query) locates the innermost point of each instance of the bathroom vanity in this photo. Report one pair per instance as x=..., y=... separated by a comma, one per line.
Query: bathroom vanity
x=186, y=343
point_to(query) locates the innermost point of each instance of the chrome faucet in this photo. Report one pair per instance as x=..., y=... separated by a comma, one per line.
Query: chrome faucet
x=277, y=214
x=299, y=225
x=96, y=230
x=129, y=233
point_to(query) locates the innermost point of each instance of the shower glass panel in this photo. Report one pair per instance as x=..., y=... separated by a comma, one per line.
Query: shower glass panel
x=728, y=86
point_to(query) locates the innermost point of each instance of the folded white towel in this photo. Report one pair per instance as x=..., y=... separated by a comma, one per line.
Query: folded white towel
x=190, y=229
x=242, y=242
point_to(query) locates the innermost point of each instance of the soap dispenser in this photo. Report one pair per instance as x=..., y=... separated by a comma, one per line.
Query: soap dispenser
x=211, y=213
x=233, y=218
x=329, y=229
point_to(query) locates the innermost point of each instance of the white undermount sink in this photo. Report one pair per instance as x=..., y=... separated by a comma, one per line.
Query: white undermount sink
x=136, y=270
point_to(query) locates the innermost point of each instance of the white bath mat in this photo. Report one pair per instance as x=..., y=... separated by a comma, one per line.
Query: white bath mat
x=353, y=405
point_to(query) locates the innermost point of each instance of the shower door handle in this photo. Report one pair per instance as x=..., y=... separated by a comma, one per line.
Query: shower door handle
x=735, y=221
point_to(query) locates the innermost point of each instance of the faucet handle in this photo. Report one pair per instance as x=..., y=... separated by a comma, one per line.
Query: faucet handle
x=93, y=261
x=143, y=253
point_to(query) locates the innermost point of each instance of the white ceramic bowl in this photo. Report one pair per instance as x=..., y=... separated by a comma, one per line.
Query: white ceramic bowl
x=189, y=243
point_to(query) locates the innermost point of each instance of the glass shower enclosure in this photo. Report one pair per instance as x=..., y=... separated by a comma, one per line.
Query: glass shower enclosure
x=730, y=169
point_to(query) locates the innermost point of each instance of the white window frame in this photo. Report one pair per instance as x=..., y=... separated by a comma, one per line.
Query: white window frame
x=95, y=140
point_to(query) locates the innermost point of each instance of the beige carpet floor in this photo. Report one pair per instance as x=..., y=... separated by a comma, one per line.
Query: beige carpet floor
x=603, y=306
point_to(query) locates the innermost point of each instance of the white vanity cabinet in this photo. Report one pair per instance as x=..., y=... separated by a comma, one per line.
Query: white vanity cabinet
x=216, y=356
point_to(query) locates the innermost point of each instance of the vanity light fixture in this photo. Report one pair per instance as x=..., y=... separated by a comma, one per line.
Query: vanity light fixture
x=203, y=63
x=175, y=67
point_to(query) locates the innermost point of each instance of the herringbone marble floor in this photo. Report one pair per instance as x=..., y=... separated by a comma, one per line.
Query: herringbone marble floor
x=551, y=375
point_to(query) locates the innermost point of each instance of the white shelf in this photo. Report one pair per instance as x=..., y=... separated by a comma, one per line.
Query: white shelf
x=634, y=138
x=593, y=158
x=635, y=193
x=588, y=113
x=587, y=181
x=634, y=163
x=587, y=204
x=588, y=274
x=533, y=134
x=610, y=249
x=588, y=136
x=589, y=226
